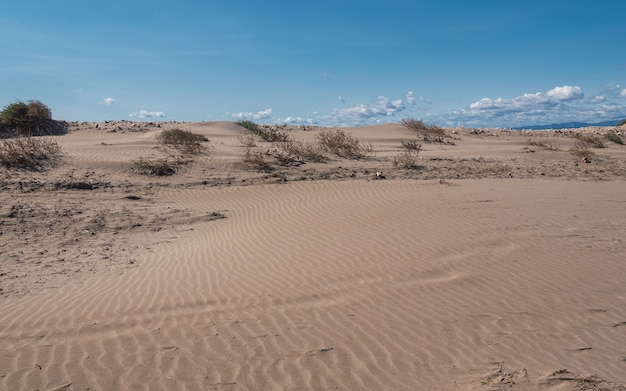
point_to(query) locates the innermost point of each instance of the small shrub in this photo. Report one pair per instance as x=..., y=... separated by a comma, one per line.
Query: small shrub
x=342, y=144
x=157, y=166
x=266, y=134
x=614, y=137
x=544, y=143
x=27, y=152
x=581, y=150
x=302, y=150
x=406, y=159
x=182, y=141
x=412, y=145
x=592, y=140
x=622, y=122
x=428, y=133
x=255, y=160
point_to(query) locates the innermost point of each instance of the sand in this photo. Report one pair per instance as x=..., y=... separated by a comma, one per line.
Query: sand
x=492, y=265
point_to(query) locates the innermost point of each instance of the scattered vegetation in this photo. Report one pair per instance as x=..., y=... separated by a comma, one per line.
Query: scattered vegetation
x=26, y=152
x=592, y=140
x=614, y=137
x=427, y=133
x=255, y=160
x=29, y=119
x=183, y=141
x=247, y=140
x=302, y=150
x=270, y=134
x=412, y=145
x=622, y=122
x=342, y=144
x=582, y=150
x=544, y=143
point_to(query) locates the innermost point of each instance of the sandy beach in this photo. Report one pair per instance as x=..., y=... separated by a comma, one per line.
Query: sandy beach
x=496, y=262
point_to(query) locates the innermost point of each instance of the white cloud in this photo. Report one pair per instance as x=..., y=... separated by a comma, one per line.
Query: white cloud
x=410, y=99
x=260, y=115
x=598, y=99
x=147, y=114
x=526, y=102
x=565, y=93
x=108, y=101
x=367, y=113
x=623, y=93
x=560, y=104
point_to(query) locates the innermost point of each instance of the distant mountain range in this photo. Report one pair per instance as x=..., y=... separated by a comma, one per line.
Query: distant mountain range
x=568, y=125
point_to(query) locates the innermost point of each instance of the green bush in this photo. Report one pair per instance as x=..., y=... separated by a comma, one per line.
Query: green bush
x=28, y=119
x=271, y=134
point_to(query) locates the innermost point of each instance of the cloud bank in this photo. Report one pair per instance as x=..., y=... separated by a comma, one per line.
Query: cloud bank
x=147, y=114
x=259, y=115
x=560, y=104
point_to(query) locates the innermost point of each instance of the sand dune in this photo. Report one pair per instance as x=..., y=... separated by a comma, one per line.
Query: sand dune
x=348, y=281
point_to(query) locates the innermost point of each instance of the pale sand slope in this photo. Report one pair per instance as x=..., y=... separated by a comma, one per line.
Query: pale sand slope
x=441, y=277
x=413, y=284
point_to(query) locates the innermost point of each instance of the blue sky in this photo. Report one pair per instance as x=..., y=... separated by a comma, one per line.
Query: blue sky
x=339, y=62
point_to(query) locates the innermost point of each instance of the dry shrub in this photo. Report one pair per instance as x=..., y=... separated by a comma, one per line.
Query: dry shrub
x=581, y=149
x=183, y=141
x=406, y=159
x=428, y=133
x=412, y=145
x=302, y=150
x=255, y=160
x=32, y=153
x=592, y=140
x=614, y=137
x=342, y=144
x=158, y=166
x=544, y=143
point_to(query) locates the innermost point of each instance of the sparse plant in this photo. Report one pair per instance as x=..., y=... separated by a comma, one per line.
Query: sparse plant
x=302, y=150
x=255, y=160
x=544, y=143
x=581, y=150
x=614, y=137
x=32, y=153
x=247, y=140
x=428, y=133
x=592, y=140
x=183, y=141
x=406, y=159
x=412, y=145
x=271, y=134
x=342, y=144
x=622, y=122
